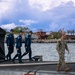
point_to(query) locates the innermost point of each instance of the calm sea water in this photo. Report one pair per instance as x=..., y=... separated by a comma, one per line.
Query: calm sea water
x=48, y=51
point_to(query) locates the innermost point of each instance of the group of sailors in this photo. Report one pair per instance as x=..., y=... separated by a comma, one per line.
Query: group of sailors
x=10, y=41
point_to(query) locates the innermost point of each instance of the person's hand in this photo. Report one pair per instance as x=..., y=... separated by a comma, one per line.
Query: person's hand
x=8, y=46
x=59, y=52
x=17, y=49
x=68, y=51
x=26, y=47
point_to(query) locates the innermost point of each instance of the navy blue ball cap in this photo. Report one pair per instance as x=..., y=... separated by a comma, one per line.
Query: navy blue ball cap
x=12, y=30
x=20, y=31
x=30, y=32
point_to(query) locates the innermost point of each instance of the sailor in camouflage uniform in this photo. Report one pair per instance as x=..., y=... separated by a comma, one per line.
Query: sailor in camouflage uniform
x=61, y=46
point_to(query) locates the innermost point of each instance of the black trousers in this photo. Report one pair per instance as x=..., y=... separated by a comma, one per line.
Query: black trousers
x=28, y=51
x=10, y=51
x=18, y=55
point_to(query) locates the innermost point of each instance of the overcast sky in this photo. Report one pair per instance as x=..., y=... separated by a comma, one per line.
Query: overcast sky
x=48, y=15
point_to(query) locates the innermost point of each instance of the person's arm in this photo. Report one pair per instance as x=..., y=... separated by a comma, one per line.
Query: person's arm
x=13, y=41
x=66, y=47
x=17, y=43
x=26, y=42
x=8, y=40
x=58, y=47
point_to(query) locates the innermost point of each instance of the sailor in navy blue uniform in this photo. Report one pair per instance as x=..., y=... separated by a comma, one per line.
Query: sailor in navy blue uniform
x=10, y=44
x=28, y=45
x=18, y=47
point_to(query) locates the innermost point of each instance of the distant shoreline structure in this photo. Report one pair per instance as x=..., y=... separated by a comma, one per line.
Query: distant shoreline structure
x=51, y=41
x=48, y=41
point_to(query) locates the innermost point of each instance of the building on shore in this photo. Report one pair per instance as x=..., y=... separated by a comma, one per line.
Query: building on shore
x=70, y=34
x=41, y=34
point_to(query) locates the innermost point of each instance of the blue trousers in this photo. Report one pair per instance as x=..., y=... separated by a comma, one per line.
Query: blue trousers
x=18, y=55
x=28, y=51
x=10, y=51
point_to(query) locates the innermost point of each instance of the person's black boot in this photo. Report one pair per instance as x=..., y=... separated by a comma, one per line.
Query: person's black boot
x=6, y=58
x=31, y=59
x=21, y=62
x=13, y=61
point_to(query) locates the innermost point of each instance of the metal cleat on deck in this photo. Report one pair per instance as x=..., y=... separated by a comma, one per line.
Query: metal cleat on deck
x=37, y=58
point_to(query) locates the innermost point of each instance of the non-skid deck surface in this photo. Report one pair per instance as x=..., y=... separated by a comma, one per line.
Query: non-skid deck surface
x=42, y=66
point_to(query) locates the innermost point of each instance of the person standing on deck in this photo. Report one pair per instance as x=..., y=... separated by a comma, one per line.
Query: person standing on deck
x=10, y=44
x=18, y=47
x=28, y=45
x=61, y=46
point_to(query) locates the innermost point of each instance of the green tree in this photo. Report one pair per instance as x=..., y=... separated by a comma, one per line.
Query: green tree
x=24, y=29
x=55, y=35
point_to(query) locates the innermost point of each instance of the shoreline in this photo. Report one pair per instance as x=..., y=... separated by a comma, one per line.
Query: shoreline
x=51, y=41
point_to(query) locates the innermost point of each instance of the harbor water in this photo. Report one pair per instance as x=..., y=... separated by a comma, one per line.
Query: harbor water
x=48, y=51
